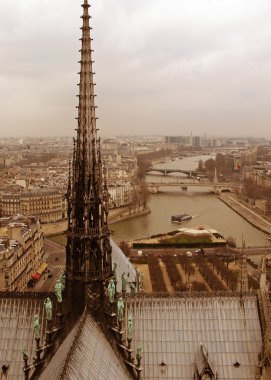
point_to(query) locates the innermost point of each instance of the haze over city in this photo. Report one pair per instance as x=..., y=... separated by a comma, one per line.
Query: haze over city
x=163, y=67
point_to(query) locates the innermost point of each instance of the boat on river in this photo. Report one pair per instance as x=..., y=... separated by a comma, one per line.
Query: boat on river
x=179, y=218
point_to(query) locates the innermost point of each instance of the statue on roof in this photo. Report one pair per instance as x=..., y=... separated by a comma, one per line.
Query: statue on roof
x=58, y=290
x=120, y=307
x=124, y=281
x=139, y=354
x=132, y=288
x=36, y=326
x=130, y=327
x=25, y=356
x=63, y=280
x=23, y=350
x=111, y=290
x=48, y=308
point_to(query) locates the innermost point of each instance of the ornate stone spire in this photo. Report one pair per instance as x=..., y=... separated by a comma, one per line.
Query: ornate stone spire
x=88, y=247
x=243, y=277
x=263, y=273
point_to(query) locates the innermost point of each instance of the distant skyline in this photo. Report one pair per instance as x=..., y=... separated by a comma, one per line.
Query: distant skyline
x=164, y=67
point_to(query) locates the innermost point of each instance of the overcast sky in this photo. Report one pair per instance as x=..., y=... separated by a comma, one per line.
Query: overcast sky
x=162, y=66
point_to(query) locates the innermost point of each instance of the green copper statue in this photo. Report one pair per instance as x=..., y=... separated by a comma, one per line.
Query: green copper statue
x=58, y=291
x=48, y=308
x=63, y=280
x=124, y=281
x=139, y=353
x=111, y=290
x=130, y=327
x=120, y=306
x=36, y=326
x=23, y=350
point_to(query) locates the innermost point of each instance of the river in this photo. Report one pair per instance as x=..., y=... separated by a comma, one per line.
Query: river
x=207, y=210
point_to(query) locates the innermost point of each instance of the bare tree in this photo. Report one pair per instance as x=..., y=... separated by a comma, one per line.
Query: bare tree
x=144, y=194
x=231, y=242
x=200, y=166
x=210, y=165
x=124, y=246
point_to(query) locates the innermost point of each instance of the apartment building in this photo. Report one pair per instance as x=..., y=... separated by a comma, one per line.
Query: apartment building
x=21, y=251
x=47, y=205
x=120, y=196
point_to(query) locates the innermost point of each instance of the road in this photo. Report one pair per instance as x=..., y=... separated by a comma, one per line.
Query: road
x=55, y=254
x=247, y=213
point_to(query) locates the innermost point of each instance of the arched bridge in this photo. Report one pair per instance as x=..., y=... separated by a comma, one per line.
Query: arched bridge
x=189, y=173
x=217, y=188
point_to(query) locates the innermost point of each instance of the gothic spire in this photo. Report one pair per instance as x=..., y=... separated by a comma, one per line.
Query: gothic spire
x=243, y=276
x=88, y=247
x=86, y=108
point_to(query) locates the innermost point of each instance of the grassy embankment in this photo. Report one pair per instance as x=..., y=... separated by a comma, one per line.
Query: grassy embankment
x=177, y=240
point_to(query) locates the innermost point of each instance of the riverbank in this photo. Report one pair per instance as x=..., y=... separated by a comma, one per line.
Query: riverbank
x=126, y=213
x=50, y=229
x=115, y=215
x=247, y=212
x=206, y=210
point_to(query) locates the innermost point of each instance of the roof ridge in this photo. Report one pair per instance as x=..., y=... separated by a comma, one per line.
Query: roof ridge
x=73, y=345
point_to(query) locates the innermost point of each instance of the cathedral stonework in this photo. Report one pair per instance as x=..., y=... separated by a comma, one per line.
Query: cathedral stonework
x=88, y=252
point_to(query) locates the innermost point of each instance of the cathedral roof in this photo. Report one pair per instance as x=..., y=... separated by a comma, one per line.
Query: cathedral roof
x=16, y=330
x=90, y=355
x=171, y=331
x=54, y=368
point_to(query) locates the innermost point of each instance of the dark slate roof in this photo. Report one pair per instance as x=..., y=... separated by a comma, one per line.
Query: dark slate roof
x=91, y=356
x=171, y=331
x=54, y=368
x=16, y=331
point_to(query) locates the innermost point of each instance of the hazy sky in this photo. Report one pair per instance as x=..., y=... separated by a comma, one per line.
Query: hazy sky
x=163, y=66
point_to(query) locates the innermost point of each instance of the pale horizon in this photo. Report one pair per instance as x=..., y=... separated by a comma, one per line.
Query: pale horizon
x=163, y=67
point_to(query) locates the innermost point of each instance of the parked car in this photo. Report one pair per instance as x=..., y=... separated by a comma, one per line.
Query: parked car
x=31, y=283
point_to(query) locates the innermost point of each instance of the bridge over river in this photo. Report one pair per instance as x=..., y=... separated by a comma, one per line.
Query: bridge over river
x=205, y=208
x=199, y=180
x=215, y=187
x=189, y=173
